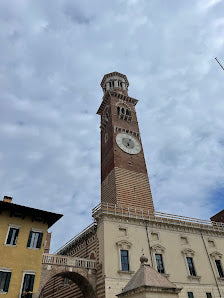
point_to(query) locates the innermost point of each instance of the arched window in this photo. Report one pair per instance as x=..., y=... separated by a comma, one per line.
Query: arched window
x=122, y=110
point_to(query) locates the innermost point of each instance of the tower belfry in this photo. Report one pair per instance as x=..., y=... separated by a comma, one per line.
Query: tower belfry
x=124, y=178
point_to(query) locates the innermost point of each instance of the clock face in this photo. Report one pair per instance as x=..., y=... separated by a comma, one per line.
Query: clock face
x=128, y=143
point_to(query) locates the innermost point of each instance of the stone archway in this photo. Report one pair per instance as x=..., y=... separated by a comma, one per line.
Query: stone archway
x=84, y=286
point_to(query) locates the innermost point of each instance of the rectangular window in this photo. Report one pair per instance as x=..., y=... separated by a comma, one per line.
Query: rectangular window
x=12, y=236
x=209, y=295
x=124, y=260
x=5, y=277
x=219, y=268
x=159, y=263
x=27, y=288
x=191, y=266
x=35, y=239
x=190, y=294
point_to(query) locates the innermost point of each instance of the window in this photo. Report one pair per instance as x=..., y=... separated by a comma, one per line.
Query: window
x=118, y=111
x=12, y=236
x=124, y=260
x=209, y=295
x=219, y=268
x=27, y=288
x=190, y=294
x=159, y=263
x=4, y=281
x=191, y=266
x=35, y=239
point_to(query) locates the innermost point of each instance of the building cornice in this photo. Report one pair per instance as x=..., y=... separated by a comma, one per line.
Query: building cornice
x=158, y=220
x=108, y=94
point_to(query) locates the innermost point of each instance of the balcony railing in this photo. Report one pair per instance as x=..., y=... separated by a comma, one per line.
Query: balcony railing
x=68, y=261
x=147, y=215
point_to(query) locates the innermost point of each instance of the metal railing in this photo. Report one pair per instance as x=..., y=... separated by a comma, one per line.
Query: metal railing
x=58, y=260
x=137, y=213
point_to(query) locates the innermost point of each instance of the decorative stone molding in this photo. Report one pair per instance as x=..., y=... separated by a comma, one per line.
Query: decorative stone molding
x=157, y=248
x=188, y=252
x=216, y=255
x=124, y=244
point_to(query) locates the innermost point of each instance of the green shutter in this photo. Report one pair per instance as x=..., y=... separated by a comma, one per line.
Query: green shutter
x=29, y=239
x=39, y=240
x=9, y=236
x=7, y=281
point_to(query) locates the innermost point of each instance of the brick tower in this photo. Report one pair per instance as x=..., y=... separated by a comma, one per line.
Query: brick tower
x=124, y=178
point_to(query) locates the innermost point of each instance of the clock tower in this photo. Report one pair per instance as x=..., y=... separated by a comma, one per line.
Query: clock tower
x=124, y=178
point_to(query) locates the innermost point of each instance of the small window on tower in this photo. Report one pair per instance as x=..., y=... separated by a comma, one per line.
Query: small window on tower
x=118, y=111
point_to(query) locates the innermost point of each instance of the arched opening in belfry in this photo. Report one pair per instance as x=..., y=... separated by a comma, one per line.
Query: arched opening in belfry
x=68, y=284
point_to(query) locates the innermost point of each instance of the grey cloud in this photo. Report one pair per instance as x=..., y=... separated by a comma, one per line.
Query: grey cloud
x=53, y=57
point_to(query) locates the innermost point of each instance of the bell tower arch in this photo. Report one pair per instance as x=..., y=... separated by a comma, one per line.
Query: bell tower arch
x=124, y=177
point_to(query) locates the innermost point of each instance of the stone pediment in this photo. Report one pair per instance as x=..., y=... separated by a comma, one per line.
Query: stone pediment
x=124, y=244
x=188, y=252
x=158, y=247
x=216, y=255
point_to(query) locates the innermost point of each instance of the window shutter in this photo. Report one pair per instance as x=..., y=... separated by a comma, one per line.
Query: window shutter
x=31, y=282
x=29, y=239
x=9, y=236
x=7, y=281
x=39, y=240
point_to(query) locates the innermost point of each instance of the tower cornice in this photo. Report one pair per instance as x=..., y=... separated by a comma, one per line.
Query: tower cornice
x=112, y=74
x=115, y=94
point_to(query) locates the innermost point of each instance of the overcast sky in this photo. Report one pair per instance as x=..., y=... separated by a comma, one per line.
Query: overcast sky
x=53, y=55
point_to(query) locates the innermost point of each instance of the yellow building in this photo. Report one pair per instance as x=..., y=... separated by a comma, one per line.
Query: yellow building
x=23, y=232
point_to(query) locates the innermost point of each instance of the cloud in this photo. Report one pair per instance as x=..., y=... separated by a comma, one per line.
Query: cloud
x=53, y=57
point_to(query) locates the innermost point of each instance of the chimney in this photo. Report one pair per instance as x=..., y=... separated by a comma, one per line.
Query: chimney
x=7, y=199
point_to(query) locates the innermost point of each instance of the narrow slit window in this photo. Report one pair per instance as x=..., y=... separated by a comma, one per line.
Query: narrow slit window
x=124, y=260
x=191, y=267
x=219, y=268
x=159, y=263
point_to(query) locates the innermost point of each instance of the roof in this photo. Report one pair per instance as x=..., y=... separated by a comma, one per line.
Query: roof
x=147, y=277
x=36, y=214
x=218, y=216
x=87, y=232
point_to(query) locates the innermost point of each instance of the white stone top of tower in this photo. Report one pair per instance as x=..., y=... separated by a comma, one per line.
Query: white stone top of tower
x=115, y=81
